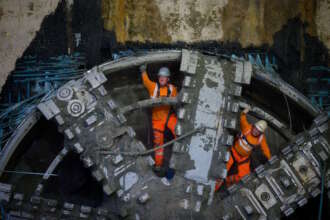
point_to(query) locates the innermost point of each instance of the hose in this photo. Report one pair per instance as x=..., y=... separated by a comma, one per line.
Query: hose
x=27, y=173
x=156, y=148
x=289, y=113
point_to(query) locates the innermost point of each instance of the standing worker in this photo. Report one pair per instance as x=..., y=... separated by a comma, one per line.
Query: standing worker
x=250, y=137
x=163, y=117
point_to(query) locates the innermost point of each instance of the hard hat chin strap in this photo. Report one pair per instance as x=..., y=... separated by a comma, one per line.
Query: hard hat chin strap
x=259, y=129
x=261, y=133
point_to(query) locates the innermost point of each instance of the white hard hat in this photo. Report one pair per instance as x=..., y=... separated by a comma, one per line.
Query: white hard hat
x=261, y=125
x=164, y=71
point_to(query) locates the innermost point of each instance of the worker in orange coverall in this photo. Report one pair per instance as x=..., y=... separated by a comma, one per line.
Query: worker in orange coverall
x=250, y=137
x=163, y=117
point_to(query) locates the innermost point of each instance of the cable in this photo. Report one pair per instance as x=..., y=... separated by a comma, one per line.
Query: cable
x=322, y=190
x=289, y=113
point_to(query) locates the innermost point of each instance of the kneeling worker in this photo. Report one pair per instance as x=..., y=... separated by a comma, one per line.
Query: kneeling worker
x=250, y=137
x=163, y=117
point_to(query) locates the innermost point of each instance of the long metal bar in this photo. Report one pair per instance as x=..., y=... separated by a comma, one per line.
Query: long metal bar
x=27, y=173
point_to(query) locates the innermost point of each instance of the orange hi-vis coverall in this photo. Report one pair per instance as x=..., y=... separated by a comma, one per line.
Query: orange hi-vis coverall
x=160, y=114
x=242, y=149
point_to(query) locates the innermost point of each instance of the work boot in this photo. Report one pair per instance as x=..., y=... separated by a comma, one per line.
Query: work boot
x=159, y=171
x=170, y=173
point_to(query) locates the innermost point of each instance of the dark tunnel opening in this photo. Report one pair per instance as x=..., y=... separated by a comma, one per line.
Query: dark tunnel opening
x=279, y=104
x=73, y=182
x=34, y=154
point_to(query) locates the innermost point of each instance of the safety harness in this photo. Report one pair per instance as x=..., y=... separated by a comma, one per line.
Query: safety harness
x=245, y=145
x=156, y=94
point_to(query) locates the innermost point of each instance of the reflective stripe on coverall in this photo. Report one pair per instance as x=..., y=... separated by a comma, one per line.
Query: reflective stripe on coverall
x=160, y=115
x=242, y=149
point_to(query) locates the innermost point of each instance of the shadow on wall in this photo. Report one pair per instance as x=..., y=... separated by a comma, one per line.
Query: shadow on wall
x=59, y=30
x=51, y=39
x=297, y=51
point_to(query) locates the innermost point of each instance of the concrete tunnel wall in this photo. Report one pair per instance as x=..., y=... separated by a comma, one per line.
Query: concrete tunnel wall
x=249, y=23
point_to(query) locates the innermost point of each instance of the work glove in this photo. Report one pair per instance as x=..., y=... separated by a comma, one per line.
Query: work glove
x=143, y=68
x=246, y=110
